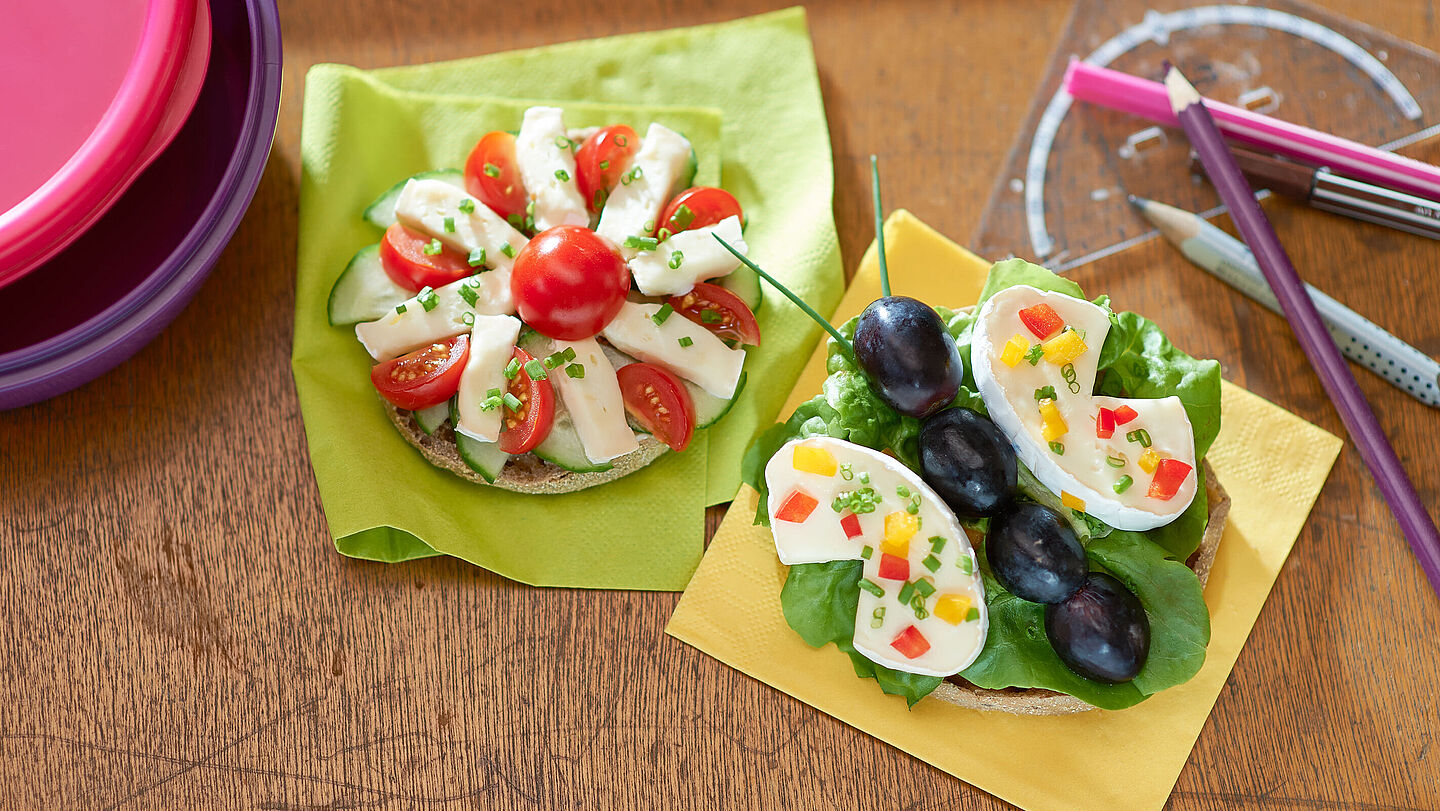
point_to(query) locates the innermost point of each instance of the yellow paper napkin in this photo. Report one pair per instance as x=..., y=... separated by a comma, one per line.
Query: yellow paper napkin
x=1094, y=760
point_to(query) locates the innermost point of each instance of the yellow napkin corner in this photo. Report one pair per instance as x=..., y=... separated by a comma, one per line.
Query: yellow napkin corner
x=1094, y=760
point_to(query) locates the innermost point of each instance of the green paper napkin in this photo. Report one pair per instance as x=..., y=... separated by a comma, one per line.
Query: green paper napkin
x=359, y=135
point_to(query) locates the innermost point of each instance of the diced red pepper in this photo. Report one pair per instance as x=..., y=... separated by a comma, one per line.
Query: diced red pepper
x=1124, y=414
x=894, y=567
x=1169, y=475
x=1042, y=320
x=851, y=524
x=911, y=643
x=796, y=507
x=1105, y=423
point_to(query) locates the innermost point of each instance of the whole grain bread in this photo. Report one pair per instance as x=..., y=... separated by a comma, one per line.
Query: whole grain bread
x=961, y=693
x=526, y=473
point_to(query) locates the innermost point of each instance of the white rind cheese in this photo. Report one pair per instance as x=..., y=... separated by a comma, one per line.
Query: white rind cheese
x=1090, y=467
x=400, y=331
x=424, y=206
x=660, y=161
x=492, y=344
x=547, y=168
x=700, y=258
x=952, y=618
x=707, y=361
x=595, y=403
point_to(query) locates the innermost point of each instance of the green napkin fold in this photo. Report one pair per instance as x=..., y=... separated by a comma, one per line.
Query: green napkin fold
x=364, y=130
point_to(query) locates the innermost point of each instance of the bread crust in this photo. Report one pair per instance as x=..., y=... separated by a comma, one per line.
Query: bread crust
x=1034, y=701
x=526, y=473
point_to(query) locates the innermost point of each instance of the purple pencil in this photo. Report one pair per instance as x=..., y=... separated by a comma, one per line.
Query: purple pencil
x=1300, y=312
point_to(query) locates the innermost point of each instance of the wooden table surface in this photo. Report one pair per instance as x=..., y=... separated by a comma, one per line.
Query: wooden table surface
x=181, y=633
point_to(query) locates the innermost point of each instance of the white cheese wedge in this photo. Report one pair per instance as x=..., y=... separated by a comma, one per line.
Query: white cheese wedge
x=547, y=168
x=595, y=403
x=412, y=325
x=1089, y=468
x=952, y=620
x=706, y=361
x=492, y=344
x=660, y=161
x=700, y=257
x=426, y=205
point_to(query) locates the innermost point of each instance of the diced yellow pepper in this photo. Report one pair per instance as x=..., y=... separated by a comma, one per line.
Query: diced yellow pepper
x=1064, y=348
x=900, y=527
x=952, y=608
x=1072, y=501
x=1149, y=460
x=809, y=459
x=1054, y=425
x=1015, y=350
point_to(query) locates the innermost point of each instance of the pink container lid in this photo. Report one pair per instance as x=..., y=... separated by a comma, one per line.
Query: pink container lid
x=92, y=81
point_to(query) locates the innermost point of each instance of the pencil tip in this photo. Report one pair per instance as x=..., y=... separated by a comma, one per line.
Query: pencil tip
x=1182, y=93
x=1138, y=202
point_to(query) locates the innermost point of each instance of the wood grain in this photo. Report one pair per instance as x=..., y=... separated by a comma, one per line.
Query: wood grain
x=181, y=634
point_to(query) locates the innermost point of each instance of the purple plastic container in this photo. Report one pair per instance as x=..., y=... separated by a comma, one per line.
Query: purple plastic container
x=145, y=259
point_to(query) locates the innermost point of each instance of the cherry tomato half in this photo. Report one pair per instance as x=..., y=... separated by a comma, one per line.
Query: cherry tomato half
x=528, y=427
x=568, y=282
x=720, y=311
x=601, y=160
x=403, y=255
x=493, y=177
x=658, y=401
x=426, y=377
x=697, y=207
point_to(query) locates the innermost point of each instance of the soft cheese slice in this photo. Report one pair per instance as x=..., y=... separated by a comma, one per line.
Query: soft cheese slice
x=951, y=619
x=425, y=205
x=706, y=361
x=492, y=343
x=636, y=202
x=547, y=168
x=595, y=403
x=688, y=257
x=1085, y=466
x=412, y=324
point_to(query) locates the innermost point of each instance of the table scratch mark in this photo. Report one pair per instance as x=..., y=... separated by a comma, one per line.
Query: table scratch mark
x=1267, y=800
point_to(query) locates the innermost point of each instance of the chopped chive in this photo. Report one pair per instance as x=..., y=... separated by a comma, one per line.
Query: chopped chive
x=1115, y=461
x=432, y=248
x=467, y=206
x=642, y=243
x=1057, y=448
x=664, y=234
x=902, y=491
x=661, y=314
x=598, y=198
x=1122, y=485
x=516, y=220
x=507, y=250
x=476, y=258
x=568, y=354
x=846, y=471
x=648, y=227
x=931, y=562
x=677, y=258
x=512, y=402
x=919, y=605
x=1139, y=435
x=973, y=614
x=1035, y=354
x=682, y=217
x=877, y=618
x=492, y=393
x=621, y=140
x=867, y=552
x=562, y=175
x=562, y=142
x=966, y=564
x=551, y=361
x=873, y=588
x=912, y=508
x=906, y=592
x=685, y=340
x=637, y=173
x=937, y=543
x=400, y=308
x=864, y=477
x=535, y=369
x=468, y=319
x=468, y=293
x=924, y=587
x=604, y=165
x=428, y=299
x=512, y=368
x=576, y=371
x=491, y=170
x=449, y=225
x=710, y=316
x=1046, y=393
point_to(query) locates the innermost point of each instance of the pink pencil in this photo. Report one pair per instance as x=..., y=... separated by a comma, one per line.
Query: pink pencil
x=1147, y=99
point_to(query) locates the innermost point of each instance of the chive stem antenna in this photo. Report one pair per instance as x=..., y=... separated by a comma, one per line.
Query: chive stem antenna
x=879, y=226
x=799, y=302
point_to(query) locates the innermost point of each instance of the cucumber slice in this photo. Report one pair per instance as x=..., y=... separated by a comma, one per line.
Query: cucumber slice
x=430, y=419
x=381, y=213
x=709, y=408
x=484, y=458
x=364, y=291
x=745, y=283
